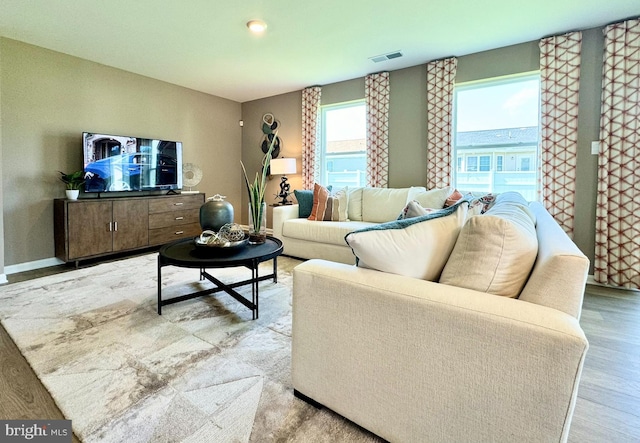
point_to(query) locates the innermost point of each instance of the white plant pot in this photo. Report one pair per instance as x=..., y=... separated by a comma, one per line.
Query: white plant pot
x=72, y=194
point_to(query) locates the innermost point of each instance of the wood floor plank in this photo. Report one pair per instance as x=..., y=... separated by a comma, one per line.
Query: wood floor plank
x=597, y=419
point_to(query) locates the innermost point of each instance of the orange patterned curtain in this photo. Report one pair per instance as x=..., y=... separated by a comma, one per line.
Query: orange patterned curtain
x=559, y=86
x=310, y=135
x=617, y=255
x=440, y=82
x=377, y=99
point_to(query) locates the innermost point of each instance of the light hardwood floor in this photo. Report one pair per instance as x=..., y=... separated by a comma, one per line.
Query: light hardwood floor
x=607, y=410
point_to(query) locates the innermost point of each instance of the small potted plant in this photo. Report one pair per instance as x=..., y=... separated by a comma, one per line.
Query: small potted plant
x=73, y=182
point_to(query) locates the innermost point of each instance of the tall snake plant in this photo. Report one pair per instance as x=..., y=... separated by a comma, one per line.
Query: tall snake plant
x=257, y=189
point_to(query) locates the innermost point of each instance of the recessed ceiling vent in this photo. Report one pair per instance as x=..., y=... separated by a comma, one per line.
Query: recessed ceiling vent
x=385, y=57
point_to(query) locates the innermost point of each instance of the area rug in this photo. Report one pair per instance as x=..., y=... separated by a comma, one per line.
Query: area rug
x=201, y=372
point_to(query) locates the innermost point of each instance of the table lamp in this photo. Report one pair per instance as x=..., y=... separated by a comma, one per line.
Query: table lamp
x=283, y=166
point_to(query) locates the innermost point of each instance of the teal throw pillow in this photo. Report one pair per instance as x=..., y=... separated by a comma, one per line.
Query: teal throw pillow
x=305, y=202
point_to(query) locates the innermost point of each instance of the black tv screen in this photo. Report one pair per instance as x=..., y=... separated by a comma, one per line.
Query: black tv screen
x=114, y=163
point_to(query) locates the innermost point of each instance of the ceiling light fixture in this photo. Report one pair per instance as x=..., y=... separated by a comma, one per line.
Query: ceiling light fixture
x=256, y=26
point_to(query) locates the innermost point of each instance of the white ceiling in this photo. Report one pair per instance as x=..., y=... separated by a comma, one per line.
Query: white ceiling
x=205, y=45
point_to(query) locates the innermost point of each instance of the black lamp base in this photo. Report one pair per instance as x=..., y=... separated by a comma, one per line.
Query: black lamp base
x=284, y=191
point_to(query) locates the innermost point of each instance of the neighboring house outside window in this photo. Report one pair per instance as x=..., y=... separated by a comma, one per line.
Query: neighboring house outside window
x=495, y=143
x=343, y=144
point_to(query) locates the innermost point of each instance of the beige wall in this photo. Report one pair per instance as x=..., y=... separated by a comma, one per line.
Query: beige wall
x=407, y=118
x=48, y=99
x=287, y=110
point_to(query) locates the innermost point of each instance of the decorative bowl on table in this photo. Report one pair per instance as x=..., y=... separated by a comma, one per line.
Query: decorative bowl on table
x=230, y=237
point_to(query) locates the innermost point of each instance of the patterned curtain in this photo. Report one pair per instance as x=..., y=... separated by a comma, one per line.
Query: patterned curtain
x=440, y=82
x=310, y=136
x=559, y=86
x=377, y=100
x=617, y=255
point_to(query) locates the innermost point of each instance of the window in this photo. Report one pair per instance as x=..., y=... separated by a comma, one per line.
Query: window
x=495, y=139
x=485, y=163
x=343, y=144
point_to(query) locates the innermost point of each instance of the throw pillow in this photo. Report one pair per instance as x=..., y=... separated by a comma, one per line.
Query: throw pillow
x=327, y=207
x=305, y=202
x=416, y=247
x=415, y=209
x=453, y=198
x=304, y=198
x=495, y=251
x=433, y=198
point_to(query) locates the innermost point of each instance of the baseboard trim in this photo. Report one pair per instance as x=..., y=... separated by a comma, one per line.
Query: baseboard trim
x=591, y=280
x=3, y=279
x=31, y=265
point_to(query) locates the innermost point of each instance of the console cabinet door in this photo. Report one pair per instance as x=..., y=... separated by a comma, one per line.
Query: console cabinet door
x=131, y=224
x=89, y=225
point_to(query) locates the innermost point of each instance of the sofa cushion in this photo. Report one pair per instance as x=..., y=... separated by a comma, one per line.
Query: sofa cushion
x=416, y=247
x=320, y=231
x=354, y=210
x=381, y=205
x=495, y=251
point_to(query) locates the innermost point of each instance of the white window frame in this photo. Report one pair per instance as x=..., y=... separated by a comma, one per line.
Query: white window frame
x=323, y=131
x=488, y=82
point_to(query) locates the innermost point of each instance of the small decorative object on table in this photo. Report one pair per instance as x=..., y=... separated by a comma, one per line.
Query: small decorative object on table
x=215, y=213
x=73, y=182
x=283, y=166
x=257, y=205
x=191, y=176
x=230, y=236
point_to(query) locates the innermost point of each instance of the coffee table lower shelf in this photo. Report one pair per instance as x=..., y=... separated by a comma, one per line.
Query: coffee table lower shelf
x=184, y=253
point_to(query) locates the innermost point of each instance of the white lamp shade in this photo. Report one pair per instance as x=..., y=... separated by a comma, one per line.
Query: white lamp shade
x=283, y=166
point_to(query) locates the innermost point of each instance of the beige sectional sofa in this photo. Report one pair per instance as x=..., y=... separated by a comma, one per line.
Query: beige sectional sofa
x=413, y=360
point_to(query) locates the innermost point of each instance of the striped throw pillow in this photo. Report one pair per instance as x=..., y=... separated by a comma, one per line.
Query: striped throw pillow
x=327, y=207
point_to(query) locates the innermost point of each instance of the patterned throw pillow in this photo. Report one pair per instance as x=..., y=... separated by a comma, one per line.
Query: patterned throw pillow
x=453, y=198
x=327, y=207
x=415, y=209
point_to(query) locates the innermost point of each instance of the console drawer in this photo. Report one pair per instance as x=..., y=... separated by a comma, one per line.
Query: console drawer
x=178, y=203
x=174, y=218
x=168, y=234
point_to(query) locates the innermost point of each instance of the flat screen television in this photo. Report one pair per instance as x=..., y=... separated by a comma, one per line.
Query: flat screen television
x=114, y=163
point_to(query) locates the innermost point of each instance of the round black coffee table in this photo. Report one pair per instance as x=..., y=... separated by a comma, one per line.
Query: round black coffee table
x=185, y=254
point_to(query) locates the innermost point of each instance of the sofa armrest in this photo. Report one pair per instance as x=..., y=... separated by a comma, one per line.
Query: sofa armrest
x=280, y=215
x=416, y=360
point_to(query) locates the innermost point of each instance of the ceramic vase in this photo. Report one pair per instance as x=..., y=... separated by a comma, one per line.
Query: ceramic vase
x=215, y=213
x=257, y=224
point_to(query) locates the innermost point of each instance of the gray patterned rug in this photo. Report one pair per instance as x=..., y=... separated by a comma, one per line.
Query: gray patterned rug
x=201, y=372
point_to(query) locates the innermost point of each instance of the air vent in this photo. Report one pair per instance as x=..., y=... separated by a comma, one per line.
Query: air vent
x=385, y=57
